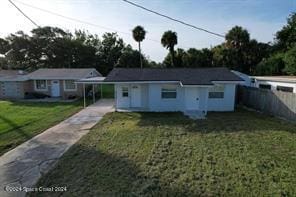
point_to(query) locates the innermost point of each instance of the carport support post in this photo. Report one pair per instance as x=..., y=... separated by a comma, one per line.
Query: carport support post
x=94, y=96
x=101, y=91
x=84, y=104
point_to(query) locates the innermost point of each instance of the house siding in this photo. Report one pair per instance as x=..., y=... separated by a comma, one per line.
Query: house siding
x=226, y=103
x=158, y=104
x=16, y=90
x=186, y=97
x=64, y=94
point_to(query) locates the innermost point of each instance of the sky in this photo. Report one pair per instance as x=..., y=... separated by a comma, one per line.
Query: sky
x=262, y=18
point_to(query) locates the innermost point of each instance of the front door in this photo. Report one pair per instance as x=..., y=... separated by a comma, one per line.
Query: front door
x=55, y=88
x=192, y=98
x=135, y=96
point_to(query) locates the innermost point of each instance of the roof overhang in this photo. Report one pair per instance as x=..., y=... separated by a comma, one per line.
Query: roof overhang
x=276, y=79
x=229, y=82
x=91, y=80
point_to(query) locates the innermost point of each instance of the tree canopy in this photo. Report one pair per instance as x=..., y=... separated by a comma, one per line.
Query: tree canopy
x=53, y=47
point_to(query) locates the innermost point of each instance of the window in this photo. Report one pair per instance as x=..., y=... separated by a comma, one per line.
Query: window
x=124, y=91
x=41, y=85
x=265, y=86
x=216, y=92
x=168, y=92
x=70, y=85
x=284, y=88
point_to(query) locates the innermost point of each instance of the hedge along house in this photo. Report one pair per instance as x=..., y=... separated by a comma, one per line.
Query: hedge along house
x=61, y=82
x=13, y=84
x=189, y=90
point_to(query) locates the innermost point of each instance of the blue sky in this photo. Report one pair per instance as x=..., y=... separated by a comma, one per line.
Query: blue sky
x=262, y=18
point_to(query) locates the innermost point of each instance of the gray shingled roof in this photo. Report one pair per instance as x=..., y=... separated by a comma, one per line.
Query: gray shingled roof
x=62, y=73
x=187, y=76
x=13, y=75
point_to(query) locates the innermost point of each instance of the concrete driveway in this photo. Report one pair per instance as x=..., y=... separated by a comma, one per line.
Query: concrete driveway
x=24, y=165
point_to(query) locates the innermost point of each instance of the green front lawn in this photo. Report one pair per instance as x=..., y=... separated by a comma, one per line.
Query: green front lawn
x=151, y=154
x=20, y=121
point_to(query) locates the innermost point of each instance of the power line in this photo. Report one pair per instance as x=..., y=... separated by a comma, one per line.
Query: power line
x=173, y=19
x=23, y=13
x=77, y=20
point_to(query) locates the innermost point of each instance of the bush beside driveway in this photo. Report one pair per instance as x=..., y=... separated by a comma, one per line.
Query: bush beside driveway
x=150, y=154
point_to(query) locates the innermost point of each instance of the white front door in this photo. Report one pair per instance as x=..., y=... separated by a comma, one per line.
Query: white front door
x=135, y=96
x=192, y=98
x=55, y=88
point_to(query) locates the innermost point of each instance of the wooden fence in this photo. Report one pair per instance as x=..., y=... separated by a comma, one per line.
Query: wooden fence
x=277, y=103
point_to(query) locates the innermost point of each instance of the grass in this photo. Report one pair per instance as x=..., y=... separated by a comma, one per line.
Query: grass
x=108, y=90
x=20, y=121
x=166, y=154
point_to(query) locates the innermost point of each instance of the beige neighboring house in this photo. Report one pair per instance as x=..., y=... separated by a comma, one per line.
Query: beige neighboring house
x=51, y=82
x=13, y=84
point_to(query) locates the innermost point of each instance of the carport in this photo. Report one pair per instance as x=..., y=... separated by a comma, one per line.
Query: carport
x=93, y=81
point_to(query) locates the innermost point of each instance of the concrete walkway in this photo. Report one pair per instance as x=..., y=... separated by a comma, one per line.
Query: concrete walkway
x=24, y=165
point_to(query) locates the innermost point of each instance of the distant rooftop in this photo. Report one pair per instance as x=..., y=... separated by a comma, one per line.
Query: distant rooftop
x=63, y=73
x=284, y=78
x=13, y=75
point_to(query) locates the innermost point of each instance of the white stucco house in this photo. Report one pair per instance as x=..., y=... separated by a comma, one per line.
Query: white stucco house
x=189, y=90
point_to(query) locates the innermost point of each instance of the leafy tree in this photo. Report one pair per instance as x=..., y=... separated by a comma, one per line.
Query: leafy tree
x=129, y=58
x=237, y=38
x=286, y=37
x=139, y=35
x=290, y=61
x=18, y=54
x=109, y=52
x=169, y=40
x=274, y=65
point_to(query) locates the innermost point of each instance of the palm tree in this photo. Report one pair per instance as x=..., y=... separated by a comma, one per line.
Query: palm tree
x=169, y=40
x=139, y=35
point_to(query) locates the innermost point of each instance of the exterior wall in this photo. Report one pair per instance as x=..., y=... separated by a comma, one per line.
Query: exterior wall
x=274, y=84
x=226, y=103
x=17, y=92
x=186, y=98
x=157, y=104
x=63, y=93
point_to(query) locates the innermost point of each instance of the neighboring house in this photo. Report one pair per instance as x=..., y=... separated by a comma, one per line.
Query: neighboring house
x=13, y=84
x=60, y=82
x=274, y=83
x=51, y=82
x=181, y=89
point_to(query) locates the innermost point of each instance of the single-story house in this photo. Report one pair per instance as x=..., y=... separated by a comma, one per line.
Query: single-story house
x=189, y=90
x=51, y=82
x=274, y=83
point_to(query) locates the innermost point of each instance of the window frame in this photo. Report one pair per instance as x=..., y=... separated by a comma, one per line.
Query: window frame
x=216, y=89
x=40, y=89
x=284, y=89
x=168, y=89
x=68, y=89
x=264, y=86
x=124, y=90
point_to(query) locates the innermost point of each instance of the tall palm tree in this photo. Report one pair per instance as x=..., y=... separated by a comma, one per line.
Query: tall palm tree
x=139, y=35
x=169, y=40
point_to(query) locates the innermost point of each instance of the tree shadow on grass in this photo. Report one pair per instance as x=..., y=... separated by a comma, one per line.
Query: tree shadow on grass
x=45, y=104
x=87, y=171
x=227, y=122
